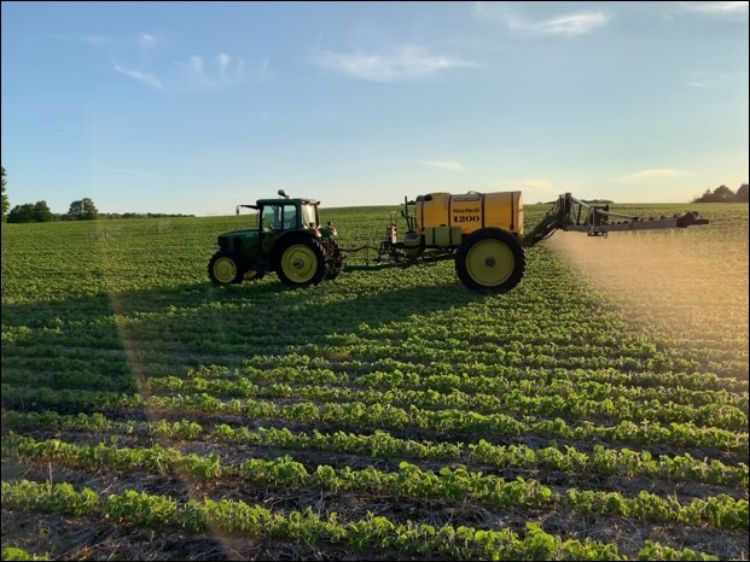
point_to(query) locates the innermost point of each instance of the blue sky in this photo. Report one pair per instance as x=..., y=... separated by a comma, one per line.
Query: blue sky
x=194, y=107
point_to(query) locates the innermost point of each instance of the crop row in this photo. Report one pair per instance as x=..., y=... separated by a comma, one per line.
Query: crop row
x=369, y=351
x=533, y=349
x=378, y=415
x=561, y=383
x=381, y=444
x=455, y=484
x=573, y=406
x=386, y=416
x=372, y=532
x=565, y=384
x=530, y=344
x=54, y=359
x=149, y=345
x=384, y=445
x=692, y=380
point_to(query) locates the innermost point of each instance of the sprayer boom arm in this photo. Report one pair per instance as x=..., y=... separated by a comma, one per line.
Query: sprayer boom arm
x=572, y=214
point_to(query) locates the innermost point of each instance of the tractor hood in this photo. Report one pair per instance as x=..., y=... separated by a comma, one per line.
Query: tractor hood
x=238, y=239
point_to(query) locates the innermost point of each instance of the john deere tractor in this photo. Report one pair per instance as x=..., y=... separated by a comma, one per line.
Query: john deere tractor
x=287, y=239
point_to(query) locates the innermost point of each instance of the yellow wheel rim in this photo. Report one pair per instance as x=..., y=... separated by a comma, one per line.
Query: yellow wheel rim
x=490, y=262
x=225, y=270
x=299, y=263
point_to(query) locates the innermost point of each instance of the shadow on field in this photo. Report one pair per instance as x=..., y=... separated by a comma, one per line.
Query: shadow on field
x=169, y=330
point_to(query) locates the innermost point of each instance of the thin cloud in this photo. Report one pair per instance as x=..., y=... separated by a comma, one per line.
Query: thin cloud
x=715, y=8
x=571, y=25
x=143, y=77
x=451, y=165
x=405, y=63
x=660, y=173
x=199, y=73
x=263, y=73
x=223, y=61
x=712, y=79
x=147, y=41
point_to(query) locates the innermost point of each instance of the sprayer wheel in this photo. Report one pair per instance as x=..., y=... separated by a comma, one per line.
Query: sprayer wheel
x=490, y=260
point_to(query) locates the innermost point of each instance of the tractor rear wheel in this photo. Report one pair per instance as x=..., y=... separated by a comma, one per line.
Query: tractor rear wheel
x=334, y=258
x=300, y=261
x=490, y=260
x=224, y=269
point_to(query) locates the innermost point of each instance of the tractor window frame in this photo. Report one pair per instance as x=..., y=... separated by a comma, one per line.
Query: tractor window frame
x=289, y=222
x=285, y=219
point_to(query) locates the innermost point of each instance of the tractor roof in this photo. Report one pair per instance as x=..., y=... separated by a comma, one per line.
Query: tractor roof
x=293, y=200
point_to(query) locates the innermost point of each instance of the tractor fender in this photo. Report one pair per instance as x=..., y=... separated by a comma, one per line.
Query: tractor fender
x=285, y=236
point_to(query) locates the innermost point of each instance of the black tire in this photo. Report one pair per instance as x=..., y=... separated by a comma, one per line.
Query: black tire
x=215, y=273
x=506, y=281
x=334, y=258
x=317, y=269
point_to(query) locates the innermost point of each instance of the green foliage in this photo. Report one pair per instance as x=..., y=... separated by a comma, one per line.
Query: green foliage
x=82, y=210
x=372, y=532
x=453, y=484
x=30, y=212
x=13, y=553
x=381, y=444
x=4, y=204
x=42, y=212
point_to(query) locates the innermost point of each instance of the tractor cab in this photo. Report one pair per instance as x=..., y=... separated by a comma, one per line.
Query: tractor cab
x=278, y=215
x=287, y=238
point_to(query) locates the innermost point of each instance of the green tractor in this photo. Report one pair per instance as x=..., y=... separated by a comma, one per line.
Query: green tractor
x=287, y=239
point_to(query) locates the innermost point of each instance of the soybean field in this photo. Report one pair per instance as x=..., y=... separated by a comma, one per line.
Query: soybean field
x=597, y=411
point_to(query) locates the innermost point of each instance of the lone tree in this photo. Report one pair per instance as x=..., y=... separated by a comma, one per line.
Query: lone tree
x=723, y=193
x=4, y=204
x=741, y=195
x=83, y=210
x=42, y=212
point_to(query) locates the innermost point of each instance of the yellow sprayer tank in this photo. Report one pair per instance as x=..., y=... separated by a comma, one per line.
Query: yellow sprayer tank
x=471, y=211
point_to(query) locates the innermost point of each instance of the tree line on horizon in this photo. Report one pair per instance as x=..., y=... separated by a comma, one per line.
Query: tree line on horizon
x=85, y=209
x=81, y=209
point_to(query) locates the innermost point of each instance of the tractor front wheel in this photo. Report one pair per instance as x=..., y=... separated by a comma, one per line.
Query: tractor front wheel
x=490, y=260
x=300, y=261
x=224, y=269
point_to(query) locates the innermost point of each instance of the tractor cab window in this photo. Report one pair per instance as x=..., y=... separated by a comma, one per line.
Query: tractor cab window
x=290, y=217
x=309, y=216
x=279, y=217
x=271, y=219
